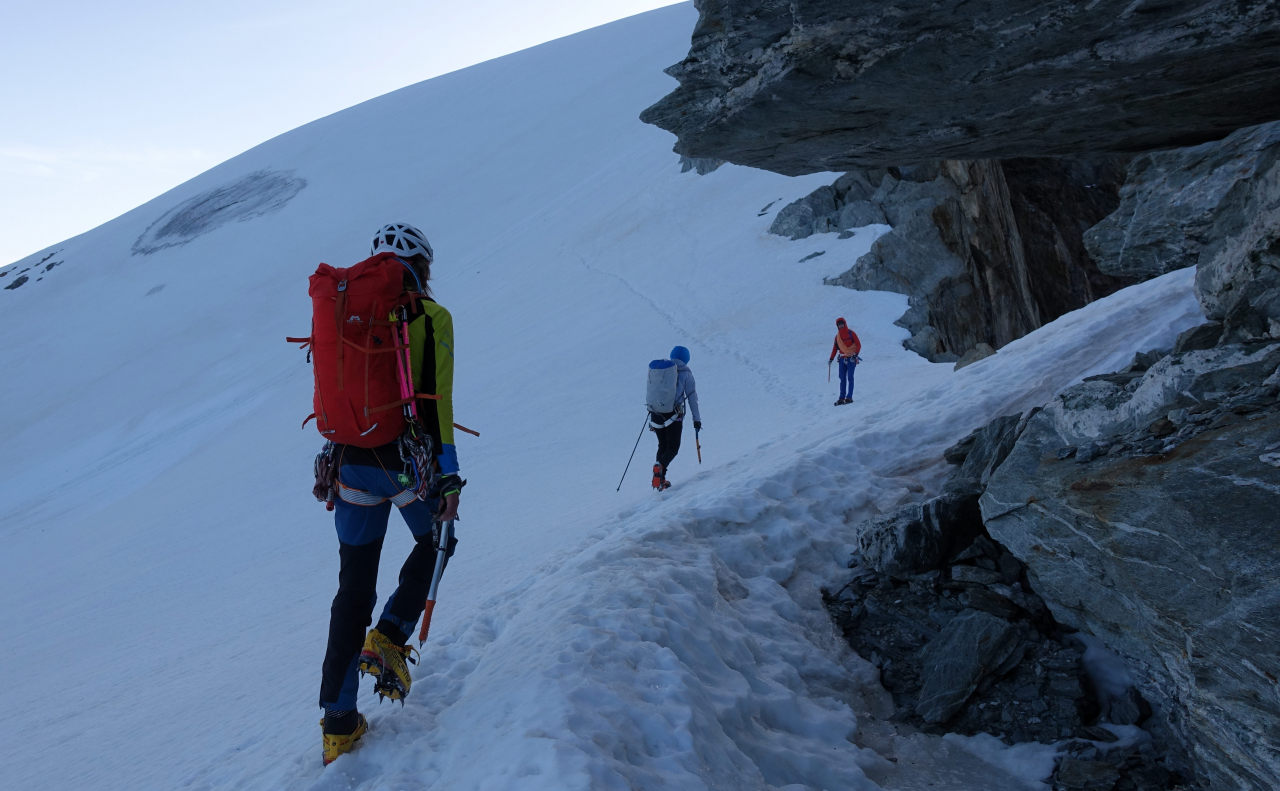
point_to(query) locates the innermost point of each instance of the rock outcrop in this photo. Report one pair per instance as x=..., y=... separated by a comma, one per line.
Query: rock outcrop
x=986, y=251
x=1144, y=504
x=965, y=645
x=1215, y=206
x=818, y=85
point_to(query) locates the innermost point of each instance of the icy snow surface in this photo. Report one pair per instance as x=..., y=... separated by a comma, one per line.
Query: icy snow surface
x=166, y=576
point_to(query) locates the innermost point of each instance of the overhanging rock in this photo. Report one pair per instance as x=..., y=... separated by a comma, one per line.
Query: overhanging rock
x=819, y=85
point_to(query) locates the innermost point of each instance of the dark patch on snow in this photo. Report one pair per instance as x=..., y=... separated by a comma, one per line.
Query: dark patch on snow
x=258, y=193
x=21, y=274
x=812, y=256
x=155, y=290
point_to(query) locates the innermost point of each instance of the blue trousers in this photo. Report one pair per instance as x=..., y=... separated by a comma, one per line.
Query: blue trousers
x=362, y=526
x=847, y=364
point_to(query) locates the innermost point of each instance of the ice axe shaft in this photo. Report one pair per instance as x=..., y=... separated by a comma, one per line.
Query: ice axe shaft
x=697, y=441
x=442, y=552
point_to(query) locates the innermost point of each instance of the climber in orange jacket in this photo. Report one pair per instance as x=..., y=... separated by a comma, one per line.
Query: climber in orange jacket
x=846, y=347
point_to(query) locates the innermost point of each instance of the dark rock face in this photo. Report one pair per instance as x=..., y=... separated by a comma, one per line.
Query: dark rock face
x=964, y=645
x=920, y=537
x=967, y=647
x=1238, y=272
x=814, y=85
x=989, y=251
x=1054, y=203
x=924, y=536
x=1138, y=507
x=1144, y=504
x=1215, y=206
x=986, y=251
x=700, y=166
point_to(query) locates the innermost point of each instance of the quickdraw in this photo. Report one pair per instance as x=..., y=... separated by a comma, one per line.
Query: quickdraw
x=416, y=446
x=419, y=465
x=325, y=489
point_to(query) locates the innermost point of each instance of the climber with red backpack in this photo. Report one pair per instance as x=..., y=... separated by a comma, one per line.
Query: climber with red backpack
x=382, y=351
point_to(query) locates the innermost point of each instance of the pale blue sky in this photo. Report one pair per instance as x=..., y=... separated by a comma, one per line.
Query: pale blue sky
x=103, y=106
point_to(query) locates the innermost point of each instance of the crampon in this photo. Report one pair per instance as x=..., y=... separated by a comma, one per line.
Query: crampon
x=388, y=664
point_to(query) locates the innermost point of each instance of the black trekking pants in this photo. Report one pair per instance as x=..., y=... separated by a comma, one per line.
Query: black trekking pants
x=668, y=441
x=352, y=611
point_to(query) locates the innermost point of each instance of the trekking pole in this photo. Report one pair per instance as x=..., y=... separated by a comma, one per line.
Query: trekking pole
x=828, y=372
x=442, y=552
x=633, y=454
x=698, y=443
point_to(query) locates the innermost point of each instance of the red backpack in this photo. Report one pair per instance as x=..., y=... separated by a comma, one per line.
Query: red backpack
x=353, y=342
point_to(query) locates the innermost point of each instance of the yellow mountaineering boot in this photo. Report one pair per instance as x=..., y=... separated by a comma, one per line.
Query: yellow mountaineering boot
x=336, y=744
x=387, y=662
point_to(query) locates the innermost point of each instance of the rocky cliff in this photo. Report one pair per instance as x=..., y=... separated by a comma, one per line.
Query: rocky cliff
x=812, y=85
x=1143, y=503
x=986, y=250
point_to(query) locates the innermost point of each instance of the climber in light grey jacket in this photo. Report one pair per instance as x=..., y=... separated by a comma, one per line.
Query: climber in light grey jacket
x=669, y=425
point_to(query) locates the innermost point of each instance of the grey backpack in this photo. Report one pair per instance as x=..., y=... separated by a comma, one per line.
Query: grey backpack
x=660, y=393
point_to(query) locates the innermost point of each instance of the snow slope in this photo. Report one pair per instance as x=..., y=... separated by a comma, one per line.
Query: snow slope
x=166, y=577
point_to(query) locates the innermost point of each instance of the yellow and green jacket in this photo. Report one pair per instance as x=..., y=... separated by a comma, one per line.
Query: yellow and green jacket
x=431, y=349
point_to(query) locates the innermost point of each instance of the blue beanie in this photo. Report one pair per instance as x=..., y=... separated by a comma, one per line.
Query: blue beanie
x=680, y=353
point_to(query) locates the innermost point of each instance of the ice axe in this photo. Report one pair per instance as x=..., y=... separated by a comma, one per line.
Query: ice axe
x=698, y=443
x=442, y=553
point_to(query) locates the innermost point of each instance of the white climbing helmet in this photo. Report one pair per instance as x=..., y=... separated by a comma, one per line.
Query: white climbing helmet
x=401, y=238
